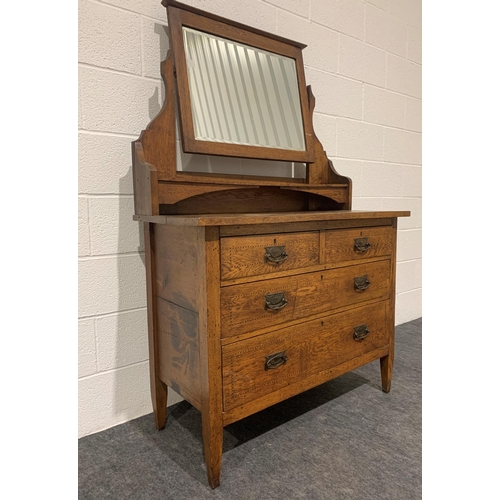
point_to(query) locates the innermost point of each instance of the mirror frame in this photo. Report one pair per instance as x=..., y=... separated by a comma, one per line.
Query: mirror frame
x=214, y=25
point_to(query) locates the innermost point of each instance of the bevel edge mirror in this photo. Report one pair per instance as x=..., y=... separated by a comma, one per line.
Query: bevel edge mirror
x=183, y=21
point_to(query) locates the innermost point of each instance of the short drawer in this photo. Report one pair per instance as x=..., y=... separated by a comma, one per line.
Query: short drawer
x=244, y=256
x=261, y=365
x=262, y=304
x=345, y=245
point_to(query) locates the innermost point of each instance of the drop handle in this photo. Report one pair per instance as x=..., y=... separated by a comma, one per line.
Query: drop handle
x=361, y=245
x=275, y=254
x=361, y=283
x=275, y=360
x=360, y=332
x=276, y=301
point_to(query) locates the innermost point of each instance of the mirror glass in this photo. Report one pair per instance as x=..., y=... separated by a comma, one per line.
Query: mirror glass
x=242, y=94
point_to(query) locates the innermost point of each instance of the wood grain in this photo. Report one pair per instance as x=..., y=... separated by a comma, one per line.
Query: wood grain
x=387, y=362
x=339, y=244
x=322, y=171
x=245, y=255
x=235, y=179
x=179, y=350
x=173, y=192
x=288, y=391
x=247, y=229
x=178, y=266
x=158, y=140
x=158, y=387
x=310, y=347
x=145, y=180
x=336, y=193
x=235, y=200
x=243, y=307
x=317, y=171
x=210, y=355
x=239, y=219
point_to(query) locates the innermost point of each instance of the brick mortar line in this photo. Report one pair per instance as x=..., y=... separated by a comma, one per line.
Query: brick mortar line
x=360, y=40
x=364, y=42
x=111, y=370
x=89, y=131
x=277, y=8
x=116, y=313
x=123, y=9
x=84, y=258
x=119, y=72
x=86, y=131
x=410, y=291
x=345, y=77
x=413, y=289
x=105, y=195
x=385, y=198
x=372, y=123
x=408, y=260
x=113, y=313
x=379, y=161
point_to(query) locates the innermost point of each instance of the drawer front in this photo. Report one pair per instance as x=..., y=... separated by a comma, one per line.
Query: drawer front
x=244, y=256
x=353, y=244
x=262, y=304
x=261, y=365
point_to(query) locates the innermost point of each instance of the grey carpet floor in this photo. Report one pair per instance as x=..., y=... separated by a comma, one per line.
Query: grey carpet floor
x=345, y=439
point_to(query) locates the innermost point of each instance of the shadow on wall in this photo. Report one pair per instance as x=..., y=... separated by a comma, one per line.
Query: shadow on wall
x=132, y=397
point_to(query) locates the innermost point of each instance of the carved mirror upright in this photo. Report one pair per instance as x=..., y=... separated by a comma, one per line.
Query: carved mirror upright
x=258, y=287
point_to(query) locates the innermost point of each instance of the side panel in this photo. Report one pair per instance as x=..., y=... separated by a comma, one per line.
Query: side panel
x=180, y=307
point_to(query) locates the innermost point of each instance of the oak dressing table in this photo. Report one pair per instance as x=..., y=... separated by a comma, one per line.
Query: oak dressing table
x=258, y=288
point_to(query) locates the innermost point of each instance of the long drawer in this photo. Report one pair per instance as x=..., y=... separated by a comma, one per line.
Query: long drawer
x=245, y=256
x=262, y=304
x=260, y=365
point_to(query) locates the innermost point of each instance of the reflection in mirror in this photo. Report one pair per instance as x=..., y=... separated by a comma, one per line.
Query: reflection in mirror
x=241, y=94
x=188, y=162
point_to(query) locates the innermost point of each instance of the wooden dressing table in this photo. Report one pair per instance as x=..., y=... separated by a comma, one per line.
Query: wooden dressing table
x=258, y=288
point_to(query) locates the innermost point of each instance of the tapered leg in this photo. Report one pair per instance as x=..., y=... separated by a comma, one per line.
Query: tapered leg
x=387, y=361
x=386, y=370
x=158, y=388
x=212, y=444
x=159, y=392
x=210, y=355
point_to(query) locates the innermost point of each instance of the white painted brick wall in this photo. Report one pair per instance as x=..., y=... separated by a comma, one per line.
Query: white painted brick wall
x=359, y=140
x=335, y=95
x=384, y=107
x=404, y=76
x=322, y=43
x=363, y=61
x=87, y=360
x=345, y=16
x=121, y=339
x=385, y=31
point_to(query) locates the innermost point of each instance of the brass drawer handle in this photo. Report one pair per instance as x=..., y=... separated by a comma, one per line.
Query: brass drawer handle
x=276, y=301
x=275, y=360
x=361, y=282
x=361, y=245
x=276, y=254
x=360, y=332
